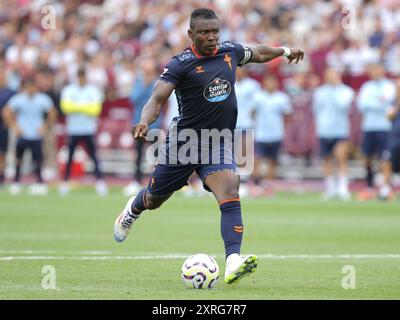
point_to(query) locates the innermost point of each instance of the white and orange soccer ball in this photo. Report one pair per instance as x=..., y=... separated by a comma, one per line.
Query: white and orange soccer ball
x=200, y=271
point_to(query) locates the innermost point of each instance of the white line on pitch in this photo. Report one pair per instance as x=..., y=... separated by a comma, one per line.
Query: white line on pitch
x=183, y=256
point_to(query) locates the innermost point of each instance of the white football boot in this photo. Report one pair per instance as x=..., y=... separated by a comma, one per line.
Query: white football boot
x=238, y=267
x=124, y=222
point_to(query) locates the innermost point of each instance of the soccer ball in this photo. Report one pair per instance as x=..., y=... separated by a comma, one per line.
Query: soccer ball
x=200, y=271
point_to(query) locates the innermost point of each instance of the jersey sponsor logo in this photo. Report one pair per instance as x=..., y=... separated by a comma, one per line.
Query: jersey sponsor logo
x=186, y=55
x=226, y=44
x=218, y=90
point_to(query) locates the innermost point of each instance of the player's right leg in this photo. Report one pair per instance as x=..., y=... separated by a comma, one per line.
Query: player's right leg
x=224, y=184
x=164, y=181
x=15, y=187
x=3, y=151
x=72, y=144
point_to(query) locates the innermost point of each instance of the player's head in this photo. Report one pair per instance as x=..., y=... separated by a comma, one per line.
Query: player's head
x=376, y=71
x=204, y=30
x=332, y=77
x=81, y=76
x=270, y=83
x=29, y=85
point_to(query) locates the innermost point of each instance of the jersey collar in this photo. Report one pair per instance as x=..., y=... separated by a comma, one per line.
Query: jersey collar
x=198, y=56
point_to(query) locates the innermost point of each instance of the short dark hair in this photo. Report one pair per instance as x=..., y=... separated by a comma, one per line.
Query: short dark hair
x=81, y=72
x=202, y=13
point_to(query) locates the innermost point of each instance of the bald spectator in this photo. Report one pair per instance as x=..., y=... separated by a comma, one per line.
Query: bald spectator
x=331, y=106
x=271, y=110
x=375, y=99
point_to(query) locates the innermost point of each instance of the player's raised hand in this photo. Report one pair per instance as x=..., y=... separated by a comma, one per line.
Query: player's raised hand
x=140, y=130
x=295, y=54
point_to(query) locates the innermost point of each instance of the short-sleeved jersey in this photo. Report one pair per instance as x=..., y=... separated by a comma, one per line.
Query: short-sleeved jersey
x=30, y=111
x=204, y=86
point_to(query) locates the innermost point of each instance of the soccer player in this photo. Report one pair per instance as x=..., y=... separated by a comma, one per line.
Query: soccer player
x=29, y=113
x=385, y=192
x=82, y=104
x=203, y=77
x=5, y=94
x=375, y=99
x=245, y=89
x=272, y=109
x=331, y=106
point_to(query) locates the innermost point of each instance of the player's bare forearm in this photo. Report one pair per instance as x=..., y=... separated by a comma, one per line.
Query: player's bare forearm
x=263, y=53
x=152, y=109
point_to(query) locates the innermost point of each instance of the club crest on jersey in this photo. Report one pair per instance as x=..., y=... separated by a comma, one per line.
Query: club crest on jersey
x=199, y=69
x=217, y=90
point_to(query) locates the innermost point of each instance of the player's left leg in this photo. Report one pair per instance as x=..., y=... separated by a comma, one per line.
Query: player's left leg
x=3, y=151
x=101, y=186
x=37, y=156
x=225, y=187
x=341, y=151
x=164, y=181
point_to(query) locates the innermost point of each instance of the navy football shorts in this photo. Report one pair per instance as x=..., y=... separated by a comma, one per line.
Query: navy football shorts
x=168, y=178
x=395, y=157
x=3, y=140
x=34, y=145
x=269, y=150
x=375, y=143
x=326, y=145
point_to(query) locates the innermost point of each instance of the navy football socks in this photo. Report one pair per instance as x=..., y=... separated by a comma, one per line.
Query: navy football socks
x=231, y=226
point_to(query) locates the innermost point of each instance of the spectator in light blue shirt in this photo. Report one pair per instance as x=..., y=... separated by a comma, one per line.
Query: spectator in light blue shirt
x=271, y=110
x=29, y=113
x=393, y=156
x=245, y=89
x=331, y=106
x=374, y=101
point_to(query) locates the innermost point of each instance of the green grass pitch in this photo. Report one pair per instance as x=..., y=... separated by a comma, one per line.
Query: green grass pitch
x=303, y=245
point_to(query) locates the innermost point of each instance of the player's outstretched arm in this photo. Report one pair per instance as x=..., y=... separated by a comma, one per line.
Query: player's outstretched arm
x=263, y=53
x=162, y=90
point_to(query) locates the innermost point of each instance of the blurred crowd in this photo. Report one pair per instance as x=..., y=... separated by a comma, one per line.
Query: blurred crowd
x=117, y=42
x=113, y=37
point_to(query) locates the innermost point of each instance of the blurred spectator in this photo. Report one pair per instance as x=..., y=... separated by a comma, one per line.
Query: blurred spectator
x=142, y=89
x=385, y=192
x=5, y=94
x=271, y=110
x=25, y=113
x=374, y=101
x=82, y=103
x=245, y=89
x=44, y=79
x=299, y=138
x=111, y=36
x=331, y=106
